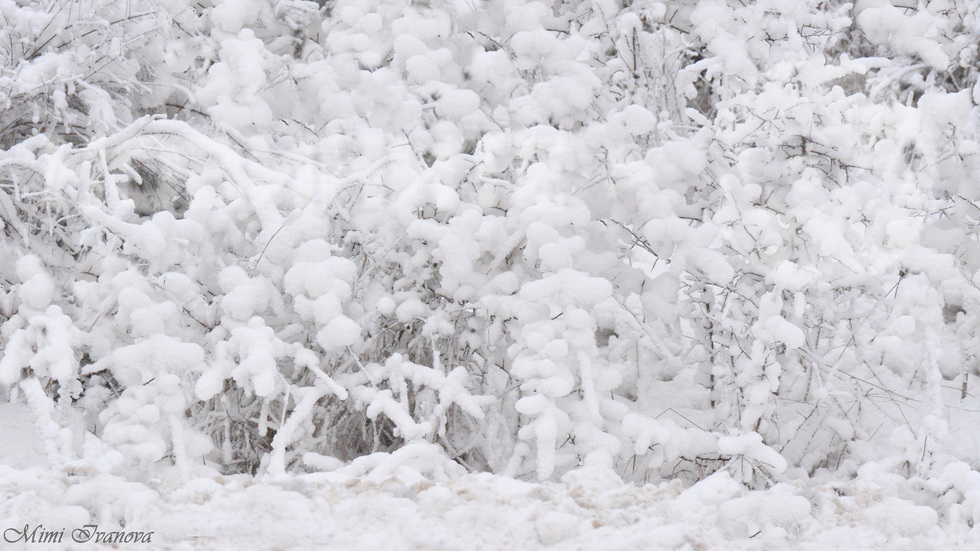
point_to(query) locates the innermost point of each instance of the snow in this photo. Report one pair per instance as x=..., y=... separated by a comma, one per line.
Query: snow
x=37, y=288
x=340, y=332
x=386, y=507
x=21, y=446
x=367, y=274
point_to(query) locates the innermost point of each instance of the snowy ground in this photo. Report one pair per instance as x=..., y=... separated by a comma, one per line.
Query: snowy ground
x=399, y=509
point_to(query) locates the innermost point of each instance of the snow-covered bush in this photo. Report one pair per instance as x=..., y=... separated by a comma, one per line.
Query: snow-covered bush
x=664, y=237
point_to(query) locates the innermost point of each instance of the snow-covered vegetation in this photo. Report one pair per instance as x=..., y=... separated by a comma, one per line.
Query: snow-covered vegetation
x=686, y=243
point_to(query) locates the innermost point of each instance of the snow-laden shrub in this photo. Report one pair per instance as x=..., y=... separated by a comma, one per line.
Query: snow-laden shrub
x=665, y=238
